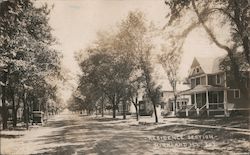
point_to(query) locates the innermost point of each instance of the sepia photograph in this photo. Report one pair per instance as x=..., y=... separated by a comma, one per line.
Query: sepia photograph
x=124, y=77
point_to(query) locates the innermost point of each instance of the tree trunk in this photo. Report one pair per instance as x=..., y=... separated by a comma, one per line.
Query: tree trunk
x=136, y=107
x=25, y=110
x=155, y=112
x=175, y=105
x=136, y=111
x=102, y=109
x=114, y=108
x=124, y=110
x=114, y=113
x=242, y=28
x=4, y=108
x=14, y=111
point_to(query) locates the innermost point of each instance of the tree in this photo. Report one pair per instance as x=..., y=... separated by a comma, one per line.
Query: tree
x=152, y=90
x=133, y=92
x=116, y=63
x=235, y=14
x=105, y=73
x=25, y=49
x=170, y=62
x=134, y=42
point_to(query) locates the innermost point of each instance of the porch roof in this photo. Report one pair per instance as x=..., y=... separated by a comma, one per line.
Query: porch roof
x=201, y=89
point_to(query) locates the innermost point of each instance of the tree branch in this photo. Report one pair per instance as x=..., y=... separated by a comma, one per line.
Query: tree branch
x=209, y=32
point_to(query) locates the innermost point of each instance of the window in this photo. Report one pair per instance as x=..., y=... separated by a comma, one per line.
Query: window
x=210, y=79
x=218, y=79
x=162, y=94
x=197, y=70
x=162, y=105
x=193, y=71
x=142, y=106
x=198, y=81
x=236, y=93
x=192, y=83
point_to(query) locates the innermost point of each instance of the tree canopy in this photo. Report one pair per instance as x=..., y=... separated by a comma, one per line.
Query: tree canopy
x=27, y=59
x=118, y=64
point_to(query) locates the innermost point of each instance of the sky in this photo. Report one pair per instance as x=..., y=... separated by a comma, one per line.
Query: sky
x=76, y=22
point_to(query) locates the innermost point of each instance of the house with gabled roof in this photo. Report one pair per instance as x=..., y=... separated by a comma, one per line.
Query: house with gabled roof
x=212, y=93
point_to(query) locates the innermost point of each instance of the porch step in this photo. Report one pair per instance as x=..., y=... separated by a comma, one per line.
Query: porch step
x=219, y=116
x=170, y=114
x=216, y=113
x=215, y=109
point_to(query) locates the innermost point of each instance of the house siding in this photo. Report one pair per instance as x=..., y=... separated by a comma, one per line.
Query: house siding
x=239, y=103
x=212, y=79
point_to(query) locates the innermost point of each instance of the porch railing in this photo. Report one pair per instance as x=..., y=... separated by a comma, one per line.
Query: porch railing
x=216, y=106
x=189, y=108
x=202, y=107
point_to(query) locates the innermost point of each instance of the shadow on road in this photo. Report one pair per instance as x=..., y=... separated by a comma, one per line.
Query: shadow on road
x=88, y=135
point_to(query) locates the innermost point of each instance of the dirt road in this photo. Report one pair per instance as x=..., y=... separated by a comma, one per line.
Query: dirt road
x=74, y=134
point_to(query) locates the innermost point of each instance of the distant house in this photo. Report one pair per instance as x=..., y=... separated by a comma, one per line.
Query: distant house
x=124, y=108
x=145, y=106
x=212, y=93
x=164, y=100
x=164, y=104
x=181, y=103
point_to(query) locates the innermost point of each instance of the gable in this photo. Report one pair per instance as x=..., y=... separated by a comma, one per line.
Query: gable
x=207, y=65
x=196, y=68
x=195, y=63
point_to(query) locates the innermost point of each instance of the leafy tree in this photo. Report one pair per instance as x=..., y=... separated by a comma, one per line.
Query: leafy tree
x=152, y=90
x=171, y=62
x=134, y=42
x=104, y=73
x=25, y=49
x=118, y=64
x=233, y=14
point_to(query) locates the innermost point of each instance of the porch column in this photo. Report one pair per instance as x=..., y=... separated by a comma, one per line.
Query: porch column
x=195, y=105
x=173, y=103
x=195, y=102
x=207, y=103
x=186, y=112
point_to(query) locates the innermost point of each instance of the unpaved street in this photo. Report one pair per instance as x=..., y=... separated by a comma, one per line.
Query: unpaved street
x=75, y=134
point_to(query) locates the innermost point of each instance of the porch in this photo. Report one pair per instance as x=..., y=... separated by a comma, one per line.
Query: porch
x=206, y=100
